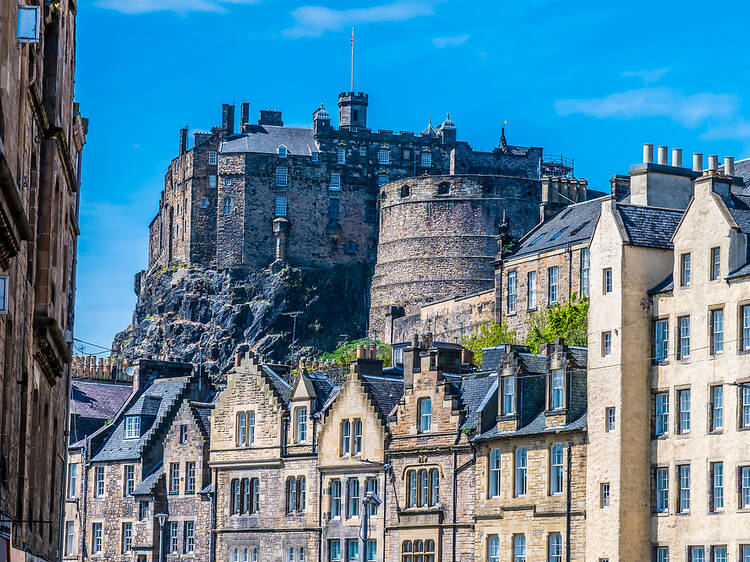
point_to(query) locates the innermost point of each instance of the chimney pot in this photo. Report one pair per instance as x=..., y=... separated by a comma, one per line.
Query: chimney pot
x=713, y=162
x=663, y=151
x=677, y=157
x=237, y=359
x=729, y=165
x=648, y=153
x=360, y=352
x=697, y=162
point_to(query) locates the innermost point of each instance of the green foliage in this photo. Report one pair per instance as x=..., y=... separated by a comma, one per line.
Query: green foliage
x=345, y=353
x=568, y=321
x=488, y=335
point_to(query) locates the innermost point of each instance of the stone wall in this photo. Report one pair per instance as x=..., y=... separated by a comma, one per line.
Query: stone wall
x=438, y=238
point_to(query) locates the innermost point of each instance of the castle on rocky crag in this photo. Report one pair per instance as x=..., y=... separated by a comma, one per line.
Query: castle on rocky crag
x=311, y=195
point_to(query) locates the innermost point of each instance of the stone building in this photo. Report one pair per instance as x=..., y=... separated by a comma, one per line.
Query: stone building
x=667, y=326
x=41, y=138
x=150, y=459
x=308, y=195
x=530, y=474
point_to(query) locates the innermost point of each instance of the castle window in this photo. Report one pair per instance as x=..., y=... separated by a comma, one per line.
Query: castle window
x=335, y=183
x=511, y=301
x=227, y=206
x=335, y=498
x=281, y=176
x=382, y=179
x=236, y=497
x=212, y=158
x=372, y=486
x=96, y=531
x=426, y=159
x=685, y=270
x=142, y=511
x=190, y=477
x=552, y=285
x=425, y=415
x=411, y=491
x=204, y=203
x=520, y=472
x=611, y=417
x=345, y=437
x=301, y=494
x=371, y=211
x=301, y=416
x=279, y=208
x=352, y=494
x=604, y=494
x=585, y=265
x=509, y=395
x=606, y=344
x=333, y=210
x=556, y=469
x=228, y=181
x=423, y=487
x=384, y=156
x=355, y=115
x=531, y=284
x=494, y=472
x=557, y=394
x=607, y=281
x=132, y=427
x=357, y=437
x=174, y=478
x=212, y=181
x=340, y=155
x=444, y=188
x=404, y=191
x=282, y=151
x=129, y=480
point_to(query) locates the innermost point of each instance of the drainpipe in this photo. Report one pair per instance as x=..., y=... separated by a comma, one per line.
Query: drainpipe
x=385, y=493
x=82, y=503
x=567, y=506
x=320, y=515
x=66, y=439
x=570, y=273
x=212, y=539
x=455, y=498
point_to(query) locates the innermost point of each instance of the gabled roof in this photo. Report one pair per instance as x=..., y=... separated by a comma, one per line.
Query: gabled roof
x=472, y=392
x=650, y=227
x=168, y=392
x=279, y=383
x=92, y=404
x=573, y=225
x=386, y=391
x=202, y=413
x=265, y=139
x=147, y=485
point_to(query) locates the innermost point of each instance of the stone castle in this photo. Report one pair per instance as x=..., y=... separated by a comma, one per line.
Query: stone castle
x=311, y=196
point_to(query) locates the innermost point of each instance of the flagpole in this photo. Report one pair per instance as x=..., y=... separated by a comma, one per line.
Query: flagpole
x=352, y=73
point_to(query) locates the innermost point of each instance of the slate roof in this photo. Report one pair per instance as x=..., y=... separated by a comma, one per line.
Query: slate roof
x=202, y=413
x=385, y=391
x=742, y=169
x=117, y=447
x=146, y=487
x=92, y=404
x=739, y=208
x=266, y=139
x=651, y=227
x=663, y=287
x=535, y=427
x=323, y=389
x=573, y=225
x=279, y=383
x=473, y=390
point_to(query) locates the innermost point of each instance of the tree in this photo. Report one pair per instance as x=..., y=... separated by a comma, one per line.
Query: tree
x=568, y=321
x=488, y=335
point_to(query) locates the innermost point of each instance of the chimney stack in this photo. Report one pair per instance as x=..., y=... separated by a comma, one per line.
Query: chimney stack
x=244, y=115
x=713, y=163
x=648, y=153
x=183, y=140
x=697, y=162
x=663, y=151
x=729, y=165
x=227, y=118
x=677, y=157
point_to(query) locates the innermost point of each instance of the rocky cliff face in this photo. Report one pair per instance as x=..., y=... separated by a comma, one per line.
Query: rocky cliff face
x=193, y=314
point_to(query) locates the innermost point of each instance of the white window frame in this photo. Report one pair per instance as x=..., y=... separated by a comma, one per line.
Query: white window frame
x=132, y=427
x=334, y=182
x=531, y=287
x=282, y=151
x=661, y=477
x=552, y=278
x=212, y=181
x=511, y=301
x=212, y=158
x=520, y=471
x=28, y=23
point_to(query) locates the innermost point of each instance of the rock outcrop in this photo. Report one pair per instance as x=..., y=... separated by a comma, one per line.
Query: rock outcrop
x=203, y=315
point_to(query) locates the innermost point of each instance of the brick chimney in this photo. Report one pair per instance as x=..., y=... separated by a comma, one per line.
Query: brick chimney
x=227, y=118
x=244, y=116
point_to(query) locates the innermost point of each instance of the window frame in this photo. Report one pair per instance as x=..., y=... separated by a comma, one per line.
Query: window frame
x=685, y=269
x=334, y=181
x=552, y=284
x=683, y=337
x=715, y=409
x=716, y=335
x=425, y=415
x=607, y=281
x=683, y=488
x=510, y=303
x=281, y=174
x=531, y=296
x=494, y=473
x=520, y=472
x=714, y=272
x=661, y=415
x=661, y=340
x=585, y=272
x=300, y=424
x=556, y=459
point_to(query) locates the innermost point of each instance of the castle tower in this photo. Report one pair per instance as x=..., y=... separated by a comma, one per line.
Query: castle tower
x=447, y=130
x=352, y=110
x=321, y=120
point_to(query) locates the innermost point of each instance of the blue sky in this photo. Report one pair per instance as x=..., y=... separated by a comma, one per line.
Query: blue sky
x=591, y=80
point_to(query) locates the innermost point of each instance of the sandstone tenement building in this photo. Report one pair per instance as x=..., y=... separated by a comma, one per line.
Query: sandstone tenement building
x=42, y=135
x=307, y=195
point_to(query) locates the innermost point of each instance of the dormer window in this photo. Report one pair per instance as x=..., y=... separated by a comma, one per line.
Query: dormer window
x=282, y=151
x=132, y=427
x=425, y=415
x=301, y=424
x=509, y=396
x=557, y=392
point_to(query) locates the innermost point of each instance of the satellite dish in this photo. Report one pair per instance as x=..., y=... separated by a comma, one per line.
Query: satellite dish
x=130, y=370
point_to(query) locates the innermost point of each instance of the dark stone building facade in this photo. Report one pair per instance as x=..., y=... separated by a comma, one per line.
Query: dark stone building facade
x=41, y=139
x=306, y=195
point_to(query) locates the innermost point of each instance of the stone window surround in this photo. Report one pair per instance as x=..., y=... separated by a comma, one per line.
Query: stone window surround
x=555, y=368
x=351, y=438
x=416, y=484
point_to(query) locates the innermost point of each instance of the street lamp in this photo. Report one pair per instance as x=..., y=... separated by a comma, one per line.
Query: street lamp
x=371, y=498
x=162, y=517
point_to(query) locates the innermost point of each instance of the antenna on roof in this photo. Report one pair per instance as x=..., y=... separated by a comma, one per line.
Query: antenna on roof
x=352, y=73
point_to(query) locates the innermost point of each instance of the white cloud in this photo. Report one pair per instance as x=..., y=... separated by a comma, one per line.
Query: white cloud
x=738, y=129
x=178, y=6
x=450, y=40
x=688, y=110
x=314, y=21
x=648, y=76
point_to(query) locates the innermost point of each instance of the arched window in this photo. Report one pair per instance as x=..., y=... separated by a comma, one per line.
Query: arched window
x=335, y=498
x=245, y=494
x=290, y=554
x=357, y=437
x=244, y=555
x=282, y=151
x=425, y=415
x=494, y=473
x=291, y=495
x=345, y=437
x=406, y=552
x=301, y=555
x=236, y=555
x=301, y=494
x=227, y=206
x=235, y=501
x=404, y=191
x=255, y=555
x=493, y=548
x=422, y=487
x=254, y=495
x=250, y=428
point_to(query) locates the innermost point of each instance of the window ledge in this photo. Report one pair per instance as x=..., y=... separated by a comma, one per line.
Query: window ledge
x=719, y=431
